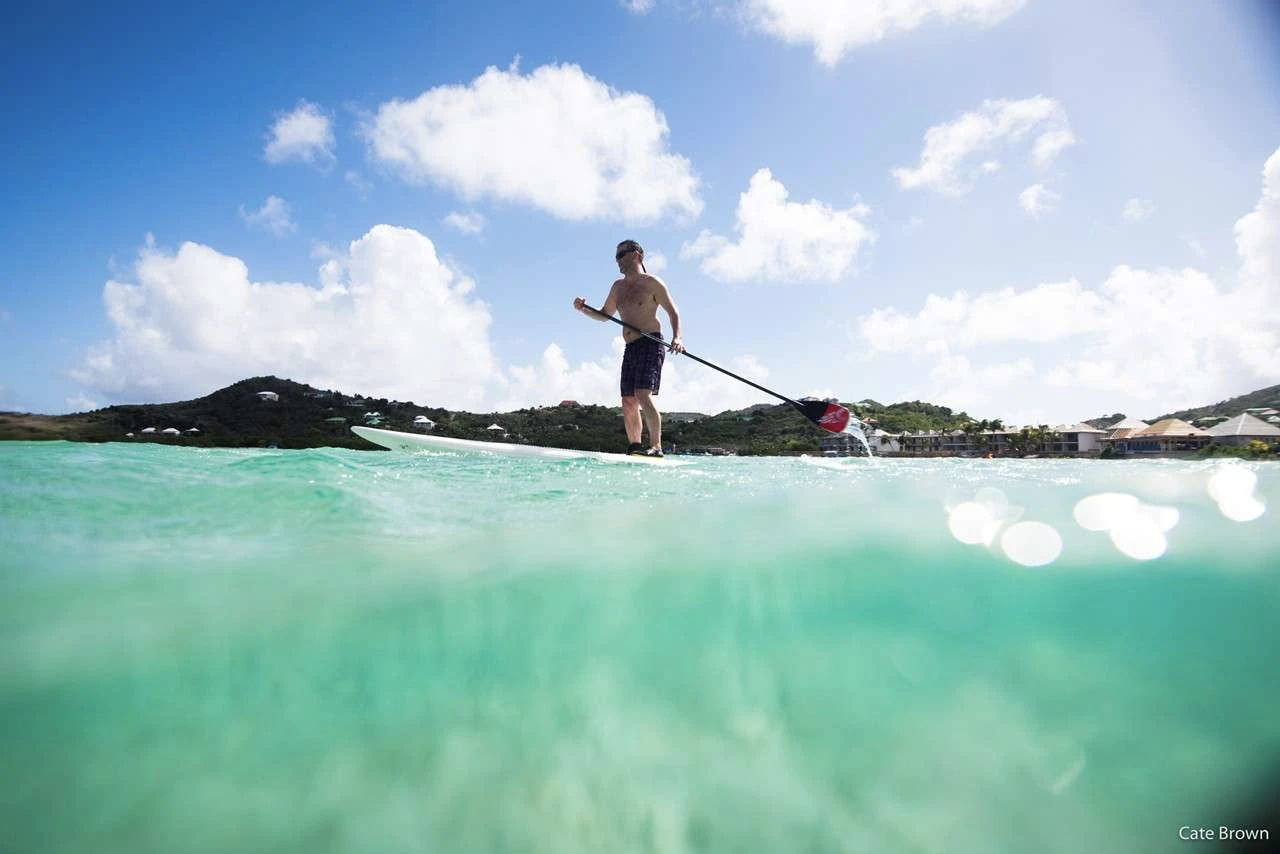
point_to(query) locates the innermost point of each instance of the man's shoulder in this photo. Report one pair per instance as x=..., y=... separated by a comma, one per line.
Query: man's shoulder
x=651, y=279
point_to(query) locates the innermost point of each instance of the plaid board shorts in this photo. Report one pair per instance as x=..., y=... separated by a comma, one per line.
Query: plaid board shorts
x=642, y=366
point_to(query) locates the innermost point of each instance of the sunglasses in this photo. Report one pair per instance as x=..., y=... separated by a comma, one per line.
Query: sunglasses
x=622, y=252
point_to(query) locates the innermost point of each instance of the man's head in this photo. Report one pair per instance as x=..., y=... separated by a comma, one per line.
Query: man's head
x=627, y=250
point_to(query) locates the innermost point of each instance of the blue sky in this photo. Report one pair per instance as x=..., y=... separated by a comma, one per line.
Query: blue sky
x=1040, y=211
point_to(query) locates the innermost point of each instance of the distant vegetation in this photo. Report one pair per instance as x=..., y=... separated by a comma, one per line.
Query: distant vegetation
x=306, y=417
x=1263, y=397
x=1102, y=422
x=236, y=417
x=1255, y=450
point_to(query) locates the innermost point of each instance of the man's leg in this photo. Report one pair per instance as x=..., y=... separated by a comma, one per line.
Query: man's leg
x=652, y=417
x=631, y=418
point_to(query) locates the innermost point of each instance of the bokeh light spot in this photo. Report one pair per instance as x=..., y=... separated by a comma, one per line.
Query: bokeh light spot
x=1100, y=512
x=1032, y=543
x=972, y=523
x=1139, y=537
x=1242, y=508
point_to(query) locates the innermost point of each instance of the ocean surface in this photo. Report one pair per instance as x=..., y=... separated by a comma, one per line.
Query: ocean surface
x=332, y=650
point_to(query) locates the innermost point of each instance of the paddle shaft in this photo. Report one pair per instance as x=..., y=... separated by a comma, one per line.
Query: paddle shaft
x=653, y=337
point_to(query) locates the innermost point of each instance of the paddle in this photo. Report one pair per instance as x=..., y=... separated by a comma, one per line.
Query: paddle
x=829, y=416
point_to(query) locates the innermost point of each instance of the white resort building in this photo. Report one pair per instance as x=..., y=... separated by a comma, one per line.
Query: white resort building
x=1129, y=436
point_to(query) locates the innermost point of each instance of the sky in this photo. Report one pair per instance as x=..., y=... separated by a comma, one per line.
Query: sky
x=1031, y=210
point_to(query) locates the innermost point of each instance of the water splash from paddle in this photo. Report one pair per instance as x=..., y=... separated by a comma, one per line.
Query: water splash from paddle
x=858, y=430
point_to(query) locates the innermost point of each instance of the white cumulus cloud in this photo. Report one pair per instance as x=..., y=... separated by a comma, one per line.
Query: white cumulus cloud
x=305, y=134
x=273, y=216
x=640, y=7
x=1047, y=312
x=1136, y=210
x=468, y=222
x=1258, y=236
x=80, y=403
x=1038, y=200
x=951, y=146
x=1163, y=338
x=556, y=139
x=388, y=319
x=834, y=27
x=783, y=240
x=654, y=261
x=968, y=387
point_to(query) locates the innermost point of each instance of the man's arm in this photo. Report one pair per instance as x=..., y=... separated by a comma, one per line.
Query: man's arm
x=669, y=306
x=606, y=311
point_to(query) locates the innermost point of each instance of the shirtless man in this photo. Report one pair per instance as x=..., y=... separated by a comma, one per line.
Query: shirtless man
x=636, y=297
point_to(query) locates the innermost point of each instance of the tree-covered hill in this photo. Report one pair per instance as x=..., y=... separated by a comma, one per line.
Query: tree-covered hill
x=1102, y=422
x=305, y=417
x=1263, y=397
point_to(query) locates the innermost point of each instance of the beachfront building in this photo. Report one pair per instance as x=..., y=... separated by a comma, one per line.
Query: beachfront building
x=268, y=396
x=497, y=430
x=422, y=422
x=883, y=442
x=1243, y=429
x=1075, y=439
x=1078, y=440
x=171, y=431
x=1120, y=432
x=192, y=430
x=921, y=443
x=1172, y=435
x=148, y=429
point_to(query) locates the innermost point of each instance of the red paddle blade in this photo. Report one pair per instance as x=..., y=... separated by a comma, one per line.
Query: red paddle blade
x=829, y=416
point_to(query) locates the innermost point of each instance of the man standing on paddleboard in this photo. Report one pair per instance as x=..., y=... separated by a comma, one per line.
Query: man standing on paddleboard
x=636, y=297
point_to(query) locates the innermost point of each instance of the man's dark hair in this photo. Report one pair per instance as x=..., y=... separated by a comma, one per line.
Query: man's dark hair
x=630, y=246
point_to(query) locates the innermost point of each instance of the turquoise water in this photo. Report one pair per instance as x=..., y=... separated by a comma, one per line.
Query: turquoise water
x=330, y=650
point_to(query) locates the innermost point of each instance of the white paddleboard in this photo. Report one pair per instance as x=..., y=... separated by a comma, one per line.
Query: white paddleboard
x=412, y=442
x=843, y=464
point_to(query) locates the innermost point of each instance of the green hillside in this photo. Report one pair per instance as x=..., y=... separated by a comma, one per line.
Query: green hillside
x=1263, y=397
x=302, y=418
x=306, y=417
